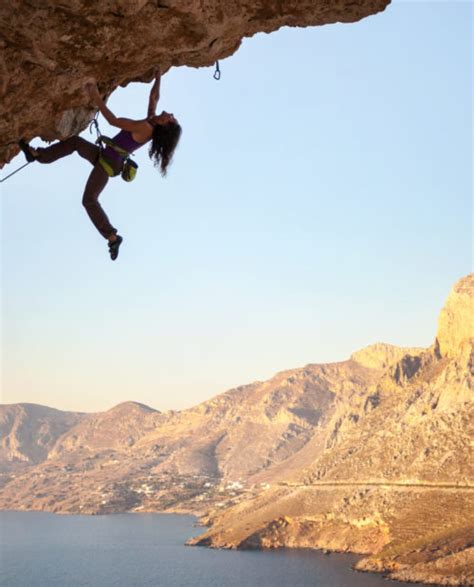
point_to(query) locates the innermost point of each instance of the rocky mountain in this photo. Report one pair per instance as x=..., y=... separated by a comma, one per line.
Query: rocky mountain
x=28, y=432
x=392, y=472
x=370, y=455
x=241, y=434
x=49, y=50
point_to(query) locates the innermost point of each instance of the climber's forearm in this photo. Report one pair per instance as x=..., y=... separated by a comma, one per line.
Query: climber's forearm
x=122, y=123
x=153, y=101
x=154, y=94
x=93, y=92
x=105, y=111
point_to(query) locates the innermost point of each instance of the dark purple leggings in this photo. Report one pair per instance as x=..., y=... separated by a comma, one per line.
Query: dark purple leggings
x=95, y=184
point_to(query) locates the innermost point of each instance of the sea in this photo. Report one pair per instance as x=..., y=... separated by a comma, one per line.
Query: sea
x=148, y=550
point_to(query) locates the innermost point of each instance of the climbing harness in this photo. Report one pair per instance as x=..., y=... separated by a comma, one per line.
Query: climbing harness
x=129, y=169
x=16, y=171
x=217, y=73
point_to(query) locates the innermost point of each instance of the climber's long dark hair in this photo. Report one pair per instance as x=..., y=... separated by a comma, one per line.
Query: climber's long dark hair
x=164, y=141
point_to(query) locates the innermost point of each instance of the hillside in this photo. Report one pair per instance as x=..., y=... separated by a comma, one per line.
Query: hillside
x=28, y=432
x=393, y=472
x=370, y=455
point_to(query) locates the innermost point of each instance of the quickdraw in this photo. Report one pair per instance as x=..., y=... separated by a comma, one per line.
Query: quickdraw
x=217, y=73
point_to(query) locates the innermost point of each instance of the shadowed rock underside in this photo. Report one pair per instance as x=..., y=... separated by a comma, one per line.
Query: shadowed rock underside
x=49, y=50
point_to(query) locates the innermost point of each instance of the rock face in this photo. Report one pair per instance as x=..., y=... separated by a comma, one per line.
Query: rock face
x=456, y=321
x=50, y=49
x=370, y=455
x=395, y=477
x=29, y=432
x=382, y=356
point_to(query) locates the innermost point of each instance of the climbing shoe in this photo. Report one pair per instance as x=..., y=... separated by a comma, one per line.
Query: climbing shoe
x=114, y=247
x=25, y=147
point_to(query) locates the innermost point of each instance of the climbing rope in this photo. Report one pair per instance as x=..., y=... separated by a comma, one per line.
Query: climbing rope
x=16, y=171
x=93, y=125
x=217, y=73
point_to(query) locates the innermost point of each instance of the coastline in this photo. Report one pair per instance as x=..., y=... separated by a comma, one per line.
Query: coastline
x=362, y=563
x=87, y=526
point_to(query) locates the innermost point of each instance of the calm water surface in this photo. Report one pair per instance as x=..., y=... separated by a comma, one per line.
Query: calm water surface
x=147, y=550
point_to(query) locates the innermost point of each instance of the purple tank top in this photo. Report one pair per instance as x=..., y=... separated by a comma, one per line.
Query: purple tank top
x=124, y=140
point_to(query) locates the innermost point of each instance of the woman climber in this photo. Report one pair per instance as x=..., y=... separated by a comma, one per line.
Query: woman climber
x=163, y=130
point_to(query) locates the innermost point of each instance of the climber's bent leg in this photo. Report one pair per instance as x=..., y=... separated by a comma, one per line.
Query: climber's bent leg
x=79, y=145
x=95, y=184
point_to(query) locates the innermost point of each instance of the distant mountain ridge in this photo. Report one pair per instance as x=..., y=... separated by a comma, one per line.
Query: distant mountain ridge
x=337, y=456
x=287, y=407
x=28, y=432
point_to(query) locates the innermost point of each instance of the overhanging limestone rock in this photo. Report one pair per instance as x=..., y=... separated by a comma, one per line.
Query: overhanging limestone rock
x=50, y=48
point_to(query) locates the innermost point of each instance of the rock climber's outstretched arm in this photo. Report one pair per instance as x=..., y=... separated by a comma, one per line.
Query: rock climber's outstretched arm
x=123, y=123
x=154, y=94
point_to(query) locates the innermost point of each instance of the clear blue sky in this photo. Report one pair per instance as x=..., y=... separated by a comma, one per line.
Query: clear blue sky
x=320, y=201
